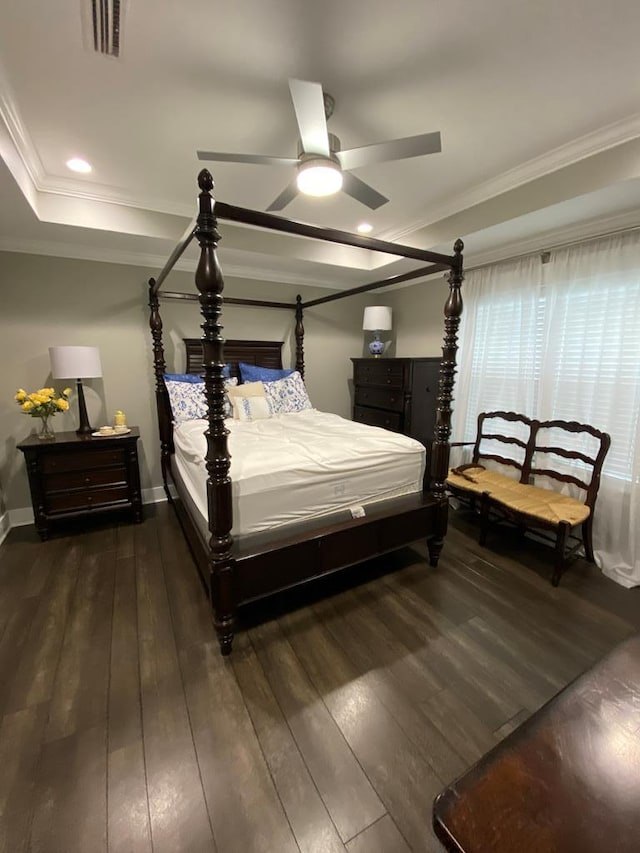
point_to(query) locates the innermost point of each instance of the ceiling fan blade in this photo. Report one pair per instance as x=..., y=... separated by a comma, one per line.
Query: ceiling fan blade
x=362, y=192
x=257, y=159
x=308, y=103
x=396, y=149
x=287, y=195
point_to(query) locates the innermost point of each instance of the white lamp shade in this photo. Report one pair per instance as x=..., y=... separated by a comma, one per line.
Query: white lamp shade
x=75, y=362
x=377, y=318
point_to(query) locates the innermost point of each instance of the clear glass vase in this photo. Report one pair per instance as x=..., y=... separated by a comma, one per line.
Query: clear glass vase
x=46, y=432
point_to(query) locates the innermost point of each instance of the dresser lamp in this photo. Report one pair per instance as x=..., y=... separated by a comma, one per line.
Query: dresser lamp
x=77, y=363
x=377, y=318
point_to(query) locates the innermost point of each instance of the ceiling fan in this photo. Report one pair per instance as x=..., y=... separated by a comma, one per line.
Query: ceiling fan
x=323, y=168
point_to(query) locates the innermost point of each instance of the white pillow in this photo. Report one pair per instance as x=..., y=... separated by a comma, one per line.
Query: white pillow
x=250, y=408
x=248, y=389
x=287, y=395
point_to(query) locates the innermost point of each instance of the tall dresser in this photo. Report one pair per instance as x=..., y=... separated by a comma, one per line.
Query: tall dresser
x=398, y=394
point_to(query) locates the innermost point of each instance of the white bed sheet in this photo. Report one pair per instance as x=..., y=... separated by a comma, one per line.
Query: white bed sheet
x=301, y=466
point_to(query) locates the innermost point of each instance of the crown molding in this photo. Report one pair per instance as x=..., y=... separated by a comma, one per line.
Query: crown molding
x=593, y=143
x=548, y=241
x=101, y=193
x=79, y=252
x=556, y=238
x=17, y=130
x=26, y=151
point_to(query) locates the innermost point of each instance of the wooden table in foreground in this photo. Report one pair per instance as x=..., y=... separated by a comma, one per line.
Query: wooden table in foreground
x=566, y=781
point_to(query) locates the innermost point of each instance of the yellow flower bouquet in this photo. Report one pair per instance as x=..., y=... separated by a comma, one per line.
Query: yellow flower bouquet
x=43, y=404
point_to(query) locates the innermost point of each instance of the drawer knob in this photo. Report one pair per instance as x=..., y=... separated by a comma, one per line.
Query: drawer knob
x=388, y=382
x=89, y=499
x=392, y=399
x=87, y=479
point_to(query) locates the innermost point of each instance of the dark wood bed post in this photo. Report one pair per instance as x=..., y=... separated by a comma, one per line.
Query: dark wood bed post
x=299, y=337
x=159, y=367
x=210, y=285
x=442, y=432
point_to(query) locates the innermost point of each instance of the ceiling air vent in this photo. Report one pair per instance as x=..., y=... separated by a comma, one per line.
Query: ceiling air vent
x=102, y=20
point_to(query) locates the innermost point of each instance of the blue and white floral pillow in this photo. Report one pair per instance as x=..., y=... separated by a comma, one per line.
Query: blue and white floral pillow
x=287, y=395
x=188, y=402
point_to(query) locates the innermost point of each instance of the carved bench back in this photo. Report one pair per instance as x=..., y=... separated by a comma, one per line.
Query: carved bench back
x=581, y=447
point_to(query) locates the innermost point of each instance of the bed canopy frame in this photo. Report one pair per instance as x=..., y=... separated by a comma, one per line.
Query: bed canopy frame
x=234, y=572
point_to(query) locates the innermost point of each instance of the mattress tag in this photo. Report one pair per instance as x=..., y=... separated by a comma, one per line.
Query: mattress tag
x=357, y=511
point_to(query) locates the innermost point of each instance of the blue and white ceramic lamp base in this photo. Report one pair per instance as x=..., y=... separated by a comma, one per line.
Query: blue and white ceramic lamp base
x=376, y=347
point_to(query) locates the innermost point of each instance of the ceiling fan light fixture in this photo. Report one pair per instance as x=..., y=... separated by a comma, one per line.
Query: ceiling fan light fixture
x=319, y=177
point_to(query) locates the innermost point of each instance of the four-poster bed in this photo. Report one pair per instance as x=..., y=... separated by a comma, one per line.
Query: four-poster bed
x=236, y=572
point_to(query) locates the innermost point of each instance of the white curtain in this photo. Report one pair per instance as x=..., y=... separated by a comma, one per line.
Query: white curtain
x=573, y=327
x=500, y=308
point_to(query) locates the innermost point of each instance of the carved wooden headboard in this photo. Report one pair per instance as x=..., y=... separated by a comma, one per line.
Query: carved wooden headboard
x=260, y=353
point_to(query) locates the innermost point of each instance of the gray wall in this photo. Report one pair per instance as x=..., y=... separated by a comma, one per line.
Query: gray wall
x=49, y=301
x=418, y=317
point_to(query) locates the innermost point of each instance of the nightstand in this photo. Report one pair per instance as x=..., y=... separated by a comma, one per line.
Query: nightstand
x=74, y=476
x=399, y=394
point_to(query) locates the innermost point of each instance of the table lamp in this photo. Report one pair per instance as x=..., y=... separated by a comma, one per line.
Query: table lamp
x=77, y=363
x=377, y=318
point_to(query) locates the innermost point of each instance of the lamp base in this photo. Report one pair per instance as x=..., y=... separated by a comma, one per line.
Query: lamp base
x=84, y=427
x=376, y=347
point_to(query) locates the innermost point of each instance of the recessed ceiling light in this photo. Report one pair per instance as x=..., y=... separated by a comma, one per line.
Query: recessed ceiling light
x=365, y=228
x=78, y=165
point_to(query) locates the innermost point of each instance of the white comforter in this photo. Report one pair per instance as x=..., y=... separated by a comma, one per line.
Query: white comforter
x=300, y=466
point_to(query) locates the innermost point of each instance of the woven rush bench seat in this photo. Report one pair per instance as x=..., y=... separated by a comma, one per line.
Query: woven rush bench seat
x=527, y=449
x=532, y=501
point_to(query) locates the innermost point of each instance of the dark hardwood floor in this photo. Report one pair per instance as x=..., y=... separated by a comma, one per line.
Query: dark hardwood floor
x=339, y=716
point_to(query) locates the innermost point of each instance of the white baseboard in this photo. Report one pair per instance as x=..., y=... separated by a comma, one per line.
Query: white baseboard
x=5, y=526
x=20, y=517
x=155, y=495
x=24, y=515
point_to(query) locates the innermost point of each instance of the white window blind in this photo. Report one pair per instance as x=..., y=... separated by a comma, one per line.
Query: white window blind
x=506, y=355
x=594, y=371
x=562, y=349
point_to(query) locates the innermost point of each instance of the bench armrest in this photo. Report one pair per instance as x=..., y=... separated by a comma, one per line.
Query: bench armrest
x=462, y=444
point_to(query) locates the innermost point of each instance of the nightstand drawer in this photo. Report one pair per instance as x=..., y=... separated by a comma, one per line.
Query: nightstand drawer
x=84, y=499
x=382, y=373
x=81, y=460
x=85, y=479
x=376, y=417
x=381, y=398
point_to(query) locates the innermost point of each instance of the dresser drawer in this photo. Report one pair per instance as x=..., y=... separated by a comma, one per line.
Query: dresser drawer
x=85, y=479
x=381, y=398
x=81, y=460
x=376, y=417
x=382, y=373
x=85, y=499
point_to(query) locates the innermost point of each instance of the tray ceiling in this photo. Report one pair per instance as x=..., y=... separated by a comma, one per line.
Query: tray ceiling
x=537, y=105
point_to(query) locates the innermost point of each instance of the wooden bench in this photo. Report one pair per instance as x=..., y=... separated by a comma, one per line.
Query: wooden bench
x=566, y=781
x=517, y=442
